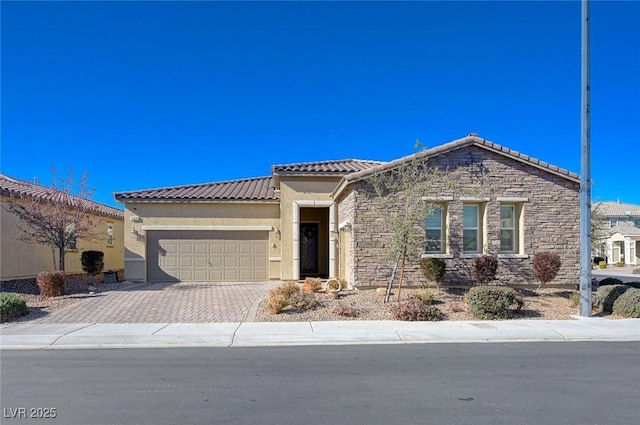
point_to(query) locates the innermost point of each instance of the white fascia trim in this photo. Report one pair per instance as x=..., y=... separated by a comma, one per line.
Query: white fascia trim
x=311, y=203
x=205, y=227
x=513, y=256
x=134, y=259
x=437, y=198
x=511, y=199
x=475, y=199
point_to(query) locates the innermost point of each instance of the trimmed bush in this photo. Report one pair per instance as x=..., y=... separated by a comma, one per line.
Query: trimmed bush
x=427, y=296
x=609, y=281
x=413, y=310
x=484, y=269
x=620, y=264
x=92, y=262
x=546, y=266
x=434, y=269
x=493, y=302
x=11, y=307
x=51, y=284
x=596, y=260
x=602, y=264
x=628, y=304
x=607, y=295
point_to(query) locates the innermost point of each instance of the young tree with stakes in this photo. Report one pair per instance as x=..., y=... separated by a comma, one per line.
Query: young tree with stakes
x=58, y=217
x=403, y=187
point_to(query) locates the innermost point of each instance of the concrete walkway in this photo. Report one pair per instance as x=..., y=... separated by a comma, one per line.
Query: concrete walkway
x=96, y=335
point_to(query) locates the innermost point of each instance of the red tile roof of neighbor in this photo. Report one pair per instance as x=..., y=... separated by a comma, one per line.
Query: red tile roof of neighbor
x=24, y=189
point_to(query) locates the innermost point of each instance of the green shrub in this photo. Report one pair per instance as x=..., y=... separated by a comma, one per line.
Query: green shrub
x=51, y=284
x=620, y=264
x=493, y=302
x=546, y=266
x=596, y=260
x=602, y=264
x=413, y=309
x=609, y=281
x=11, y=306
x=628, y=304
x=92, y=262
x=607, y=295
x=434, y=269
x=483, y=269
x=427, y=296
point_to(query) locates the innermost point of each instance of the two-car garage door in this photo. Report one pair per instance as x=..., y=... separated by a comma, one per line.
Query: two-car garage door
x=207, y=256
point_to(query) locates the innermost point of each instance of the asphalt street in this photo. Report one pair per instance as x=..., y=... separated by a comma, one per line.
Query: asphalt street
x=582, y=383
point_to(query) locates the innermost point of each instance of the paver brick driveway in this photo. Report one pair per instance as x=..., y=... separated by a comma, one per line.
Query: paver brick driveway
x=183, y=302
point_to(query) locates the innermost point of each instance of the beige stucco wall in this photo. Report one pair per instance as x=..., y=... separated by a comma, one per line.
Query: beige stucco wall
x=306, y=190
x=22, y=260
x=176, y=214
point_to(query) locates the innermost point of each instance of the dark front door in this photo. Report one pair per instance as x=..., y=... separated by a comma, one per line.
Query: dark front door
x=308, y=249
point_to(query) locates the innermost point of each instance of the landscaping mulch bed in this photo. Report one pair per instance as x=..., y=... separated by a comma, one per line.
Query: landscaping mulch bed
x=545, y=304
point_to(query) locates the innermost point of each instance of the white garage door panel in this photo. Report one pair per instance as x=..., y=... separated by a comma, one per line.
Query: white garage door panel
x=207, y=256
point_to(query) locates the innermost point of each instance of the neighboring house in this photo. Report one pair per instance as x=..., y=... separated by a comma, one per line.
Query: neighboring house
x=621, y=231
x=20, y=260
x=320, y=219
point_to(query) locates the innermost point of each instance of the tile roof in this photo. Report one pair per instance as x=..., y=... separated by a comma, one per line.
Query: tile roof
x=343, y=166
x=616, y=209
x=455, y=145
x=626, y=228
x=252, y=189
x=24, y=189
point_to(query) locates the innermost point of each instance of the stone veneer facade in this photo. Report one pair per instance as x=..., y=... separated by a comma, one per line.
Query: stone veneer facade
x=549, y=222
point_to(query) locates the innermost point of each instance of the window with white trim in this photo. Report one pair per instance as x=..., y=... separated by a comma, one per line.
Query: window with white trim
x=435, y=229
x=471, y=228
x=109, y=234
x=508, y=229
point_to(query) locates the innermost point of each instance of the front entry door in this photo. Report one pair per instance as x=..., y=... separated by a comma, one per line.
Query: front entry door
x=308, y=249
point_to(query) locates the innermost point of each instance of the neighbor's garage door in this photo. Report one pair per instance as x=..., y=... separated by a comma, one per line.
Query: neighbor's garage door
x=206, y=256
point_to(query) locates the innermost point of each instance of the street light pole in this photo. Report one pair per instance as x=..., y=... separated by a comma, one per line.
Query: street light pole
x=585, y=172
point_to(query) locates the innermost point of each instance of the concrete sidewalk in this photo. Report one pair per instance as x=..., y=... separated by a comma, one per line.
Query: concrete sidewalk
x=96, y=335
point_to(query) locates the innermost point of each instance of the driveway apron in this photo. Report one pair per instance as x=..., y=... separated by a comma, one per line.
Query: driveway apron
x=183, y=302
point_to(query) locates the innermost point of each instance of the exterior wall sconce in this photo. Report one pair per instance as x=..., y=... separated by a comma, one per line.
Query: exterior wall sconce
x=345, y=226
x=277, y=232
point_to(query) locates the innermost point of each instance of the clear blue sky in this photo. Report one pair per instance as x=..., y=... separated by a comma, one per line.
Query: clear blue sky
x=152, y=94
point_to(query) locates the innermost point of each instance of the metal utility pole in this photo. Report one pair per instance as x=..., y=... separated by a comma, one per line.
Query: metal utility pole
x=585, y=171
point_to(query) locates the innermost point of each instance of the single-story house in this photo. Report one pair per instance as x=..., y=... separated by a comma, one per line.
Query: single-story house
x=321, y=219
x=621, y=233
x=21, y=260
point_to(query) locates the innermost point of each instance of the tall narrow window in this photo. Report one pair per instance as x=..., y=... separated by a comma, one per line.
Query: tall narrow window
x=109, y=234
x=434, y=225
x=507, y=228
x=72, y=240
x=471, y=228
